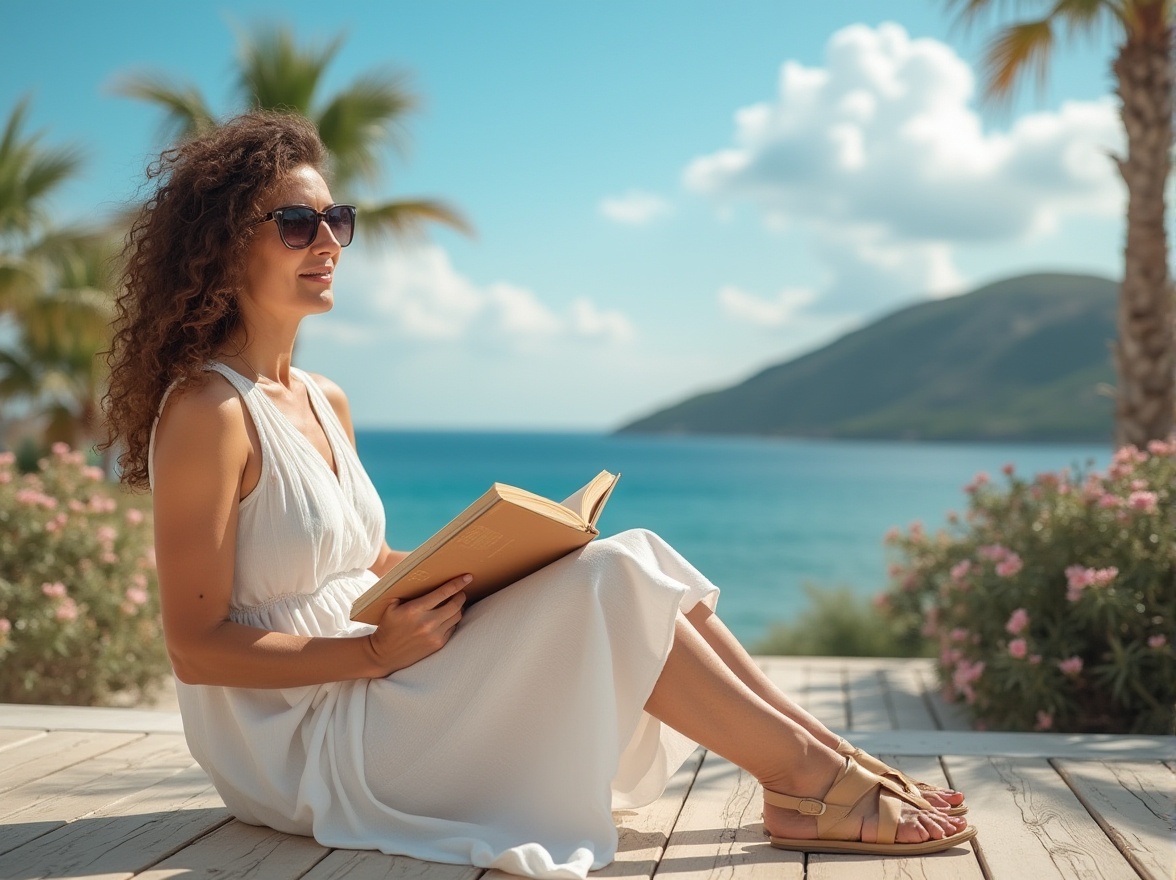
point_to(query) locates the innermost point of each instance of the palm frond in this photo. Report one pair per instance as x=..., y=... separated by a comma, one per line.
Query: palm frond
x=185, y=111
x=408, y=218
x=1015, y=50
x=29, y=173
x=361, y=121
x=275, y=73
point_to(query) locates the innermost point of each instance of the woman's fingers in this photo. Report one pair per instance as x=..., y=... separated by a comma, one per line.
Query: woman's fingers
x=437, y=597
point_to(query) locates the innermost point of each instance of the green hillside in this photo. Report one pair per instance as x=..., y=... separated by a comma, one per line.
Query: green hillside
x=1021, y=359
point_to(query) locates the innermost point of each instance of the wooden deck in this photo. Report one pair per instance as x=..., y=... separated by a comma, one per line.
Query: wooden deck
x=113, y=793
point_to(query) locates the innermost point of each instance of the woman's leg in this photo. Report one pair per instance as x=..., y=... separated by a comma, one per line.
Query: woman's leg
x=735, y=657
x=699, y=695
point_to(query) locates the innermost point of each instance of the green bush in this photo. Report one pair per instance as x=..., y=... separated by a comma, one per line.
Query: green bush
x=1053, y=602
x=79, y=606
x=838, y=623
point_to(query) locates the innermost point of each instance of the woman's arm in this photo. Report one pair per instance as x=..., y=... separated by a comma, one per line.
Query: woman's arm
x=203, y=451
x=388, y=557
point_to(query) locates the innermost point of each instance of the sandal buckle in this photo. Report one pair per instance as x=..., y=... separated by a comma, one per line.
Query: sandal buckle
x=811, y=807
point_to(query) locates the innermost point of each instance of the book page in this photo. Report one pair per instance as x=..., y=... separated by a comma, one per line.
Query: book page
x=588, y=501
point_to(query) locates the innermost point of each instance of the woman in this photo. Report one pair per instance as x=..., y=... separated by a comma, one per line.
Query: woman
x=498, y=735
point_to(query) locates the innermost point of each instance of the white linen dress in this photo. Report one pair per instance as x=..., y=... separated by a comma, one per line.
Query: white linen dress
x=505, y=749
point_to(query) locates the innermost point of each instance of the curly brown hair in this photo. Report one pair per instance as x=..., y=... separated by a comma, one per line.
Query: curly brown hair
x=177, y=305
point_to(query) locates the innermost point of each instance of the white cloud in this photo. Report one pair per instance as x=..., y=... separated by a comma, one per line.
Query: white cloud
x=880, y=157
x=772, y=312
x=634, y=208
x=417, y=294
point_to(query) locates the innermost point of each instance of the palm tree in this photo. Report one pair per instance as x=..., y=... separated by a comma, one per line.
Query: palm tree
x=55, y=284
x=1145, y=351
x=356, y=124
x=30, y=242
x=54, y=369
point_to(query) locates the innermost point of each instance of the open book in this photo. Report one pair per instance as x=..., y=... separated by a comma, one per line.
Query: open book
x=505, y=535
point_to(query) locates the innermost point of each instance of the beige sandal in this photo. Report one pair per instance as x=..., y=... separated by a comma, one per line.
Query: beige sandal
x=848, y=802
x=911, y=786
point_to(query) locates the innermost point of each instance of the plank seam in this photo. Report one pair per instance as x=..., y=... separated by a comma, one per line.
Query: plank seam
x=1107, y=829
x=678, y=815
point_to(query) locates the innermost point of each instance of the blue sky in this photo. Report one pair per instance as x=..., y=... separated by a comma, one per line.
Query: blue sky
x=668, y=195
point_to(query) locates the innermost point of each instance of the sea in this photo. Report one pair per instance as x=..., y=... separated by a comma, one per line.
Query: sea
x=761, y=517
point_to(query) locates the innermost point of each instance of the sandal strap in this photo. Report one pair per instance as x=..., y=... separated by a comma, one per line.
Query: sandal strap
x=853, y=796
x=805, y=806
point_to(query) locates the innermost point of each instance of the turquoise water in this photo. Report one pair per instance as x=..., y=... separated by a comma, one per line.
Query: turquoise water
x=761, y=518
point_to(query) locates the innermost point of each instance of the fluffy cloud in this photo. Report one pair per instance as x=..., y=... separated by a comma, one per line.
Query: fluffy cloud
x=772, y=312
x=634, y=208
x=880, y=157
x=417, y=294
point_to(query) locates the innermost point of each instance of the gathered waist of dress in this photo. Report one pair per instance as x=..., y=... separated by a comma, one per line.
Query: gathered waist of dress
x=322, y=612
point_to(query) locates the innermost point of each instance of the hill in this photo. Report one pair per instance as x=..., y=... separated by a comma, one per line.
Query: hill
x=1020, y=359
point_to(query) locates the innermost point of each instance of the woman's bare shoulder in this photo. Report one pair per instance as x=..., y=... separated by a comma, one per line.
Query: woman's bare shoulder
x=203, y=411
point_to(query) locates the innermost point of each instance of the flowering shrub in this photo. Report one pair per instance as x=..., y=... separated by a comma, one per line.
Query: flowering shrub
x=1053, y=602
x=79, y=608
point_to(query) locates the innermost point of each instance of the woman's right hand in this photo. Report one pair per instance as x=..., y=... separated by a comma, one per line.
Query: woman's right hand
x=410, y=631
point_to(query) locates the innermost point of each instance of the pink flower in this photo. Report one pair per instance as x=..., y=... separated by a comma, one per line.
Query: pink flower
x=7, y=459
x=92, y=473
x=1157, y=641
x=1034, y=659
x=108, y=557
x=1129, y=455
x=140, y=580
x=960, y=570
x=1044, y=720
x=1018, y=649
x=967, y=673
x=916, y=531
x=1108, y=501
x=1071, y=666
x=1008, y=469
x=892, y=535
x=895, y=570
x=66, y=611
x=1145, y=501
x=5, y=477
x=106, y=534
x=1017, y=621
x=992, y=552
x=135, y=516
x=35, y=498
x=978, y=481
x=882, y=602
x=136, y=596
x=54, y=591
x=60, y=449
x=1159, y=447
x=5, y=626
x=1010, y=566
x=959, y=634
x=953, y=518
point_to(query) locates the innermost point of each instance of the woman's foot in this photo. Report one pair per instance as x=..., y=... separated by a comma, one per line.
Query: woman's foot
x=946, y=799
x=859, y=806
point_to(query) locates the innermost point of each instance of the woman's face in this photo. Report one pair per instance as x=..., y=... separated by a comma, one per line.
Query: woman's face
x=283, y=284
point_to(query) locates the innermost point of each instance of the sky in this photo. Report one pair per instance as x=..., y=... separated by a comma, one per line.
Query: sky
x=667, y=195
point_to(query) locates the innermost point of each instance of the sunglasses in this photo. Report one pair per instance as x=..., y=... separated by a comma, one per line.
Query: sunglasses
x=298, y=225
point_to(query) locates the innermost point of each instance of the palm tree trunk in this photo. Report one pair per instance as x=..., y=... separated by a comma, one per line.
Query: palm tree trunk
x=1145, y=352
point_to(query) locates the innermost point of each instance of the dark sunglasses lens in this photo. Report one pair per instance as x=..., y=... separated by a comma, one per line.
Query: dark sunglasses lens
x=298, y=226
x=341, y=219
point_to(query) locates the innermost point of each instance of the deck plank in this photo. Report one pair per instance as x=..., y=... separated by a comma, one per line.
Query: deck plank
x=124, y=838
x=866, y=704
x=239, y=850
x=349, y=864
x=948, y=716
x=40, y=806
x=720, y=831
x=1135, y=804
x=905, y=690
x=16, y=737
x=826, y=693
x=44, y=755
x=1030, y=823
x=645, y=833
